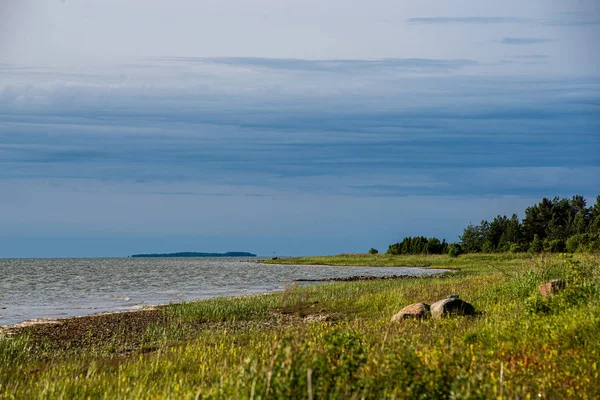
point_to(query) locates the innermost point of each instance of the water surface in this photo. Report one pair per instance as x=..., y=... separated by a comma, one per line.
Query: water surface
x=58, y=288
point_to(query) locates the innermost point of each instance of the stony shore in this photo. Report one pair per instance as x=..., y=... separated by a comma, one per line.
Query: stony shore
x=102, y=320
x=369, y=278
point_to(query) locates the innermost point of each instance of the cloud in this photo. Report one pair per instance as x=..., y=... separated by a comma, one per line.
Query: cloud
x=574, y=19
x=373, y=138
x=530, y=57
x=559, y=19
x=426, y=140
x=14, y=67
x=467, y=20
x=347, y=66
x=524, y=40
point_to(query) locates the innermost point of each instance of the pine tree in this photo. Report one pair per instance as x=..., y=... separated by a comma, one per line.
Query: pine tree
x=594, y=218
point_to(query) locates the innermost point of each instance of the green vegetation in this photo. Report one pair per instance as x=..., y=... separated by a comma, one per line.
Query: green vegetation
x=547, y=226
x=336, y=340
x=465, y=264
x=419, y=245
x=552, y=226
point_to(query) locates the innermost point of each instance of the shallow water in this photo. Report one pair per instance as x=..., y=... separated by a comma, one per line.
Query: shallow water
x=58, y=288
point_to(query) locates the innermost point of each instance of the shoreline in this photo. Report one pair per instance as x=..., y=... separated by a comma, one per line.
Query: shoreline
x=356, y=278
x=10, y=329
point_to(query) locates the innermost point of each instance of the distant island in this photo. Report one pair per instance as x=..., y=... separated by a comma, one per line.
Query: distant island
x=192, y=254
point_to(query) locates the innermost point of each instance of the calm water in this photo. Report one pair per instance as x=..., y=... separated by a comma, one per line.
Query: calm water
x=54, y=288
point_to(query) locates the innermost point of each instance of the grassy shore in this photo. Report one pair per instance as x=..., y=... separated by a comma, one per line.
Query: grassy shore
x=468, y=263
x=335, y=340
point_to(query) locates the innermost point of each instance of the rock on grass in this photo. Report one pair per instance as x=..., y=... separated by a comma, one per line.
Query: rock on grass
x=552, y=287
x=451, y=306
x=416, y=311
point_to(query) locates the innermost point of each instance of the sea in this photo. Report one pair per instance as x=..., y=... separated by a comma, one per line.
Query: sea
x=59, y=288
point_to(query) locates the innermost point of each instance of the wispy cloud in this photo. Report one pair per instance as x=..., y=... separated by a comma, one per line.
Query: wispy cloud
x=467, y=20
x=530, y=57
x=525, y=40
x=347, y=65
x=574, y=19
x=318, y=144
x=561, y=19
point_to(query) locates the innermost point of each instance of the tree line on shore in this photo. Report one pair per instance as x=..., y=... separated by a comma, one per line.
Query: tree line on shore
x=557, y=225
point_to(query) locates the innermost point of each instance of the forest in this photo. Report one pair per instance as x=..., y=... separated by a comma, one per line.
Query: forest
x=557, y=225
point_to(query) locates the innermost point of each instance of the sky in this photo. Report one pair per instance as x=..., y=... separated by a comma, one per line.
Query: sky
x=287, y=127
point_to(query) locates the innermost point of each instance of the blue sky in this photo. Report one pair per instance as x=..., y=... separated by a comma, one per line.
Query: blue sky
x=293, y=127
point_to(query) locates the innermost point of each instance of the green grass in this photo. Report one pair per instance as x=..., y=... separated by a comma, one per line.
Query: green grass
x=471, y=263
x=336, y=340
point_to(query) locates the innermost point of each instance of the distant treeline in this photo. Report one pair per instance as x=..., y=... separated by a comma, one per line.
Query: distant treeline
x=191, y=254
x=557, y=225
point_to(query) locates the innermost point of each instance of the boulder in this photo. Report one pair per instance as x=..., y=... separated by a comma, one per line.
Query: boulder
x=416, y=311
x=451, y=306
x=552, y=287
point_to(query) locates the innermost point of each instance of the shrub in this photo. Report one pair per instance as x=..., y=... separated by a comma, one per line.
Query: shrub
x=418, y=245
x=537, y=245
x=373, y=251
x=554, y=245
x=487, y=247
x=434, y=246
x=454, y=249
x=575, y=242
x=517, y=248
x=583, y=242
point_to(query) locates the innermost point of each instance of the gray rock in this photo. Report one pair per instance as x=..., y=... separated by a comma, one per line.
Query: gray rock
x=552, y=287
x=415, y=311
x=451, y=306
